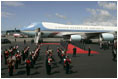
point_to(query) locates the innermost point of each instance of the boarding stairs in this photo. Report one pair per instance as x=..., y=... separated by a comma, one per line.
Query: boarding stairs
x=37, y=37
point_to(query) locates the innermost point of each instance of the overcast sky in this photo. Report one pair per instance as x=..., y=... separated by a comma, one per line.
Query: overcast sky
x=21, y=14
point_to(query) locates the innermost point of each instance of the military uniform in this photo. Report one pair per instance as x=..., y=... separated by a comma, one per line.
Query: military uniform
x=67, y=62
x=74, y=51
x=26, y=51
x=37, y=52
x=11, y=51
x=24, y=41
x=17, y=61
x=19, y=58
x=14, y=50
x=53, y=60
x=28, y=62
x=6, y=54
x=10, y=62
x=23, y=55
x=48, y=65
x=62, y=57
x=15, y=39
x=31, y=58
x=89, y=51
x=58, y=52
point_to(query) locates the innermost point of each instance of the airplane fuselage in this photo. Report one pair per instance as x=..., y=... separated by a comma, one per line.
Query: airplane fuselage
x=58, y=30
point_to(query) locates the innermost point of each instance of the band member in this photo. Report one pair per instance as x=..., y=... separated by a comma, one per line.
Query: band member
x=48, y=65
x=67, y=63
x=11, y=63
x=89, y=51
x=28, y=62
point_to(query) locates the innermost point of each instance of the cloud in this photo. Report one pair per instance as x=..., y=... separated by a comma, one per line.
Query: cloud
x=12, y=3
x=6, y=14
x=100, y=17
x=101, y=22
x=100, y=12
x=60, y=16
x=108, y=5
x=104, y=16
x=57, y=15
x=103, y=12
x=92, y=11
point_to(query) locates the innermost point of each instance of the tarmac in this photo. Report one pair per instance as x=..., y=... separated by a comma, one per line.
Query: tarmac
x=83, y=66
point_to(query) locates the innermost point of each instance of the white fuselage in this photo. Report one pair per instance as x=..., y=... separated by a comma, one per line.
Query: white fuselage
x=55, y=29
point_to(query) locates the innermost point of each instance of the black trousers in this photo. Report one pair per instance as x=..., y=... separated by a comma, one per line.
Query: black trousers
x=11, y=71
x=67, y=68
x=19, y=62
x=28, y=70
x=74, y=53
x=23, y=57
x=89, y=53
x=32, y=64
x=16, y=64
x=49, y=69
x=5, y=61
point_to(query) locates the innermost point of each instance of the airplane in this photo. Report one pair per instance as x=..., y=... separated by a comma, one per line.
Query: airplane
x=71, y=32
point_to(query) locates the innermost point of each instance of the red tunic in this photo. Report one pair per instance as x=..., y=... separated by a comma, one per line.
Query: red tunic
x=68, y=60
x=28, y=61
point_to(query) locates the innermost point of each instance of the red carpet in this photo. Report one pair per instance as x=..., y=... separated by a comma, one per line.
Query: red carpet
x=70, y=49
x=81, y=51
x=51, y=43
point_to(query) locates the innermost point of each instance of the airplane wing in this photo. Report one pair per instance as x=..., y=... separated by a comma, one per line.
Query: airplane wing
x=85, y=35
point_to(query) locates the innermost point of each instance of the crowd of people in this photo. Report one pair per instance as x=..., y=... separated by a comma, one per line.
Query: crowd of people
x=13, y=58
x=64, y=59
x=114, y=51
x=51, y=62
x=106, y=45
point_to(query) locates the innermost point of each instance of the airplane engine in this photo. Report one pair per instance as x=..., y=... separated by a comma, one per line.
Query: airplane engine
x=106, y=37
x=75, y=37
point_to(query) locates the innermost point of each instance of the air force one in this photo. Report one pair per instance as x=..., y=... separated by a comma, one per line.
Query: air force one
x=71, y=32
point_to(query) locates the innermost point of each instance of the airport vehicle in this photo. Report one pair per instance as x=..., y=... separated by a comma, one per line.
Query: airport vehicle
x=20, y=35
x=3, y=35
x=17, y=35
x=5, y=41
x=70, y=32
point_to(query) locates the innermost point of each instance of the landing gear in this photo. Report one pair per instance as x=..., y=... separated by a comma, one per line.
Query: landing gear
x=40, y=41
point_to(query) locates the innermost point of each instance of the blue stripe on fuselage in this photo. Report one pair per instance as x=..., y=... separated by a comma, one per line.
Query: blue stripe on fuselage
x=39, y=25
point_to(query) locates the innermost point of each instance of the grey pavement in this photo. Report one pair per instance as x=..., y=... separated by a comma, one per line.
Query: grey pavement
x=96, y=66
